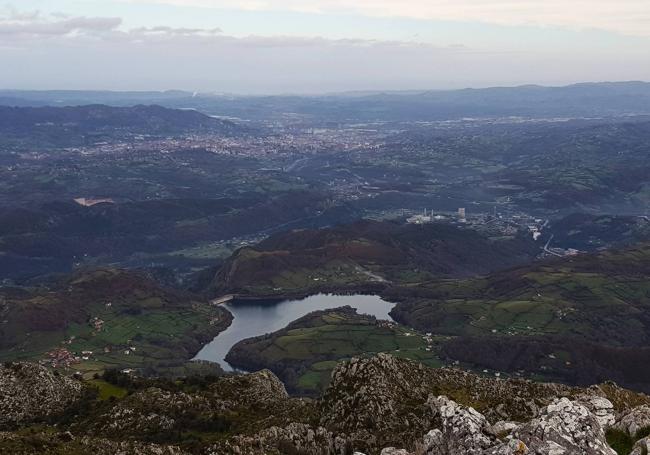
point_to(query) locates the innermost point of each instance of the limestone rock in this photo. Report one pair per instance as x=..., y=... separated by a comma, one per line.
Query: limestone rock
x=600, y=407
x=294, y=438
x=50, y=443
x=510, y=447
x=150, y=411
x=378, y=402
x=29, y=391
x=565, y=427
x=502, y=428
x=635, y=420
x=642, y=447
x=394, y=451
x=261, y=387
x=108, y=447
x=463, y=430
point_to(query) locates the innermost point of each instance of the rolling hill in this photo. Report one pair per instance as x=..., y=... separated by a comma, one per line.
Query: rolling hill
x=82, y=125
x=365, y=254
x=105, y=318
x=580, y=319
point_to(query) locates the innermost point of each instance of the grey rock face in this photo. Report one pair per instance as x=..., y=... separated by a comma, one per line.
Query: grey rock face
x=29, y=391
x=377, y=402
x=642, y=447
x=565, y=427
x=463, y=430
x=261, y=387
x=394, y=451
x=600, y=407
x=108, y=447
x=635, y=420
x=24, y=445
x=294, y=438
x=149, y=412
x=502, y=428
x=510, y=447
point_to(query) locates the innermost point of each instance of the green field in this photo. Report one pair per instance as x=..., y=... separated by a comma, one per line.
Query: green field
x=133, y=325
x=305, y=353
x=602, y=297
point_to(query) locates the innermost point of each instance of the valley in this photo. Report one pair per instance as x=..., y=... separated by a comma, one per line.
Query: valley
x=215, y=275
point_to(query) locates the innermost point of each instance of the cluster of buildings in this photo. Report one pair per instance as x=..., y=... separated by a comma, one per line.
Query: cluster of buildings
x=60, y=357
x=491, y=224
x=282, y=144
x=429, y=217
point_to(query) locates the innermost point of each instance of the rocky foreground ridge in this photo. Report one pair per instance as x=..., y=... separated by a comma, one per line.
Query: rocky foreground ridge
x=379, y=405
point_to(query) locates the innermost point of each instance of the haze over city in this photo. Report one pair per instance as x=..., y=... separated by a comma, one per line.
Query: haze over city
x=317, y=46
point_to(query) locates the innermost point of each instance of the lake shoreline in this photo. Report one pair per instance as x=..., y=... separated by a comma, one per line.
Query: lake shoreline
x=257, y=317
x=362, y=289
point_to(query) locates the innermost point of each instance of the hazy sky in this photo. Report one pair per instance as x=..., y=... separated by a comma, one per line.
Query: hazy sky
x=311, y=46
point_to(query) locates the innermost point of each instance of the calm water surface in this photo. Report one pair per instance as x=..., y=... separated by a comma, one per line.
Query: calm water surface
x=258, y=318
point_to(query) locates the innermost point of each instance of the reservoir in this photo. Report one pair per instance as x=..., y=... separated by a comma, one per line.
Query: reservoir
x=252, y=318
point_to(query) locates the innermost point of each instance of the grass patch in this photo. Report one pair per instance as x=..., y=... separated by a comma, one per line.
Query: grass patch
x=107, y=390
x=622, y=442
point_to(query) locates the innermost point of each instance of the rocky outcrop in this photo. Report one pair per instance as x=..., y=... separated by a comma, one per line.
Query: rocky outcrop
x=261, y=387
x=382, y=401
x=30, y=392
x=462, y=429
x=151, y=411
x=292, y=439
x=376, y=406
x=378, y=403
x=66, y=443
x=642, y=447
x=635, y=420
x=565, y=426
x=600, y=407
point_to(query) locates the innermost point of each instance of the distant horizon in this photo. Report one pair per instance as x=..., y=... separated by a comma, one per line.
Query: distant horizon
x=325, y=93
x=261, y=47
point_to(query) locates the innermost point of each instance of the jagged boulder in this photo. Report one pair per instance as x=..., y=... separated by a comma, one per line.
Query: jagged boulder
x=261, y=387
x=564, y=427
x=248, y=399
x=510, y=447
x=381, y=401
x=294, y=438
x=394, y=451
x=50, y=442
x=502, y=428
x=151, y=411
x=600, y=407
x=633, y=421
x=463, y=430
x=29, y=392
x=642, y=447
x=377, y=402
x=96, y=446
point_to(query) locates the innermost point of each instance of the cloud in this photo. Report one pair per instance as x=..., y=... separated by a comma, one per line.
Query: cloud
x=61, y=51
x=29, y=27
x=165, y=30
x=34, y=24
x=629, y=17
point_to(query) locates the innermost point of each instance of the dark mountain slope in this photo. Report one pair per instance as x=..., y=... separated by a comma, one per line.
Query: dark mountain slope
x=80, y=125
x=122, y=318
x=579, y=319
x=365, y=253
